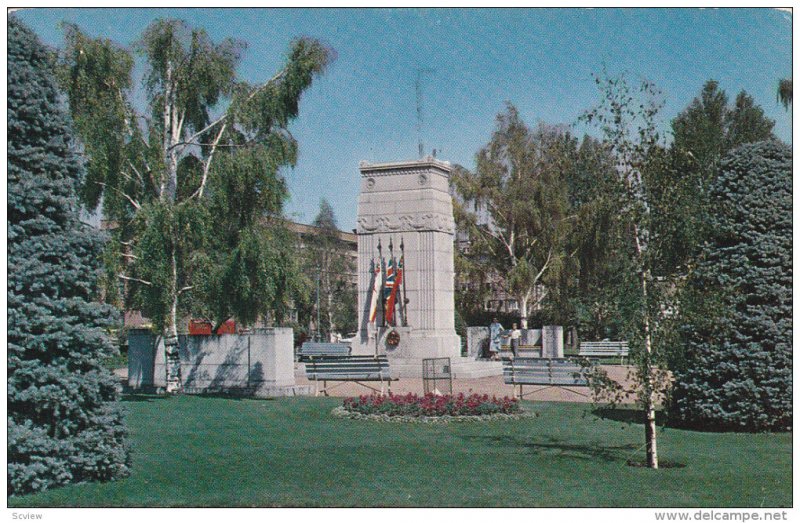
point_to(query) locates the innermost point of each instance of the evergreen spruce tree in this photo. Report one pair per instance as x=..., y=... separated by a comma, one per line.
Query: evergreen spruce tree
x=735, y=371
x=64, y=424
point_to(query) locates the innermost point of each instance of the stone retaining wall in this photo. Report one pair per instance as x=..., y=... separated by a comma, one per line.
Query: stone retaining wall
x=260, y=364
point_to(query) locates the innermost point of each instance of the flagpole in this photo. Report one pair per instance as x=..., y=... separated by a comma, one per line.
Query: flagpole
x=380, y=297
x=393, y=263
x=403, y=305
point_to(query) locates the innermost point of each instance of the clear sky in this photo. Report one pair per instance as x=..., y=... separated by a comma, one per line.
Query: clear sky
x=472, y=60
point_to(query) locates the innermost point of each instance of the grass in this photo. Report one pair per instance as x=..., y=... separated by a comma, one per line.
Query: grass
x=207, y=451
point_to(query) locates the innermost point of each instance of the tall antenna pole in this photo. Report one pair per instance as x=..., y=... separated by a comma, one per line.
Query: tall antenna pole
x=420, y=72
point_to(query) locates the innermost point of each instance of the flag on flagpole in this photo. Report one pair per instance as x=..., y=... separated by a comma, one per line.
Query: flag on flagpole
x=390, y=303
x=387, y=290
x=376, y=290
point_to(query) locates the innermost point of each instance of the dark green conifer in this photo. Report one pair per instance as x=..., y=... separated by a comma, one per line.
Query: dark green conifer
x=735, y=369
x=64, y=424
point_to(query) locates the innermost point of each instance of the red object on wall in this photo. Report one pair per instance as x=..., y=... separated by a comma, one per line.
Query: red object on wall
x=229, y=327
x=203, y=327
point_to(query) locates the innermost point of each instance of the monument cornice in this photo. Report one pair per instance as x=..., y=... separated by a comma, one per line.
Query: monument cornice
x=425, y=166
x=407, y=222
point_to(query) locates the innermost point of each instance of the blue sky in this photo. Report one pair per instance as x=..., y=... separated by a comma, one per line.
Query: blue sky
x=364, y=108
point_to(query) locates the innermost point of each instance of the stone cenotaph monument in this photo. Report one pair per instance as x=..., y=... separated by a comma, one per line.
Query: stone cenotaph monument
x=405, y=213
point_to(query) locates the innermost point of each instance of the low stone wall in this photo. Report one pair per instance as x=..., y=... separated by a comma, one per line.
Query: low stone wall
x=260, y=364
x=478, y=340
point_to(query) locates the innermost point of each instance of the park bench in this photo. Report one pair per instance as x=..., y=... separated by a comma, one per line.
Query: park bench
x=604, y=349
x=356, y=369
x=527, y=350
x=546, y=372
x=310, y=350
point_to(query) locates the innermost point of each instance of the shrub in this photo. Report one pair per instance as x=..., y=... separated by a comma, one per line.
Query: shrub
x=432, y=405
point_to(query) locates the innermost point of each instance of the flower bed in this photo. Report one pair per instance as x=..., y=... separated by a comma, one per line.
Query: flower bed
x=431, y=405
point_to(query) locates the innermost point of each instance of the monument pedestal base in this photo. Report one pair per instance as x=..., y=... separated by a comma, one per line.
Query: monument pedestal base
x=405, y=359
x=460, y=368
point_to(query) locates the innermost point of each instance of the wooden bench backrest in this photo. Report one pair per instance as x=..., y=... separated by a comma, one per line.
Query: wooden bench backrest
x=349, y=368
x=322, y=349
x=604, y=347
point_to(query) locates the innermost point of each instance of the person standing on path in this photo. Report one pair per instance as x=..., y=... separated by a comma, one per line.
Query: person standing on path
x=515, y=335
x=495, y=333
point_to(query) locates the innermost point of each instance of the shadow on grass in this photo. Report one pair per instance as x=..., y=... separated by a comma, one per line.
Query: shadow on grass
x=236, y=396
x=631, y=416
x=145, y=398
x=550, y=446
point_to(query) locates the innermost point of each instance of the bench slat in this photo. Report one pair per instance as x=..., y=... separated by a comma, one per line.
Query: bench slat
x=543, y=371
x=603, y=348
x=349, y=368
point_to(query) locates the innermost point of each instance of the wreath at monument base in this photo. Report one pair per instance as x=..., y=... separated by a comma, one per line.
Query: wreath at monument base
x=393, y=338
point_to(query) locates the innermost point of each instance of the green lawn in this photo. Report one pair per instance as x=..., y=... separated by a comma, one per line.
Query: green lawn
x=193, y=451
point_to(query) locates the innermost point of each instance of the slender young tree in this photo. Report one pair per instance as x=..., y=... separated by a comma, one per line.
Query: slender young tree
x=520, y=233
x=64, y=422
x=627, y=119
x=193, y=187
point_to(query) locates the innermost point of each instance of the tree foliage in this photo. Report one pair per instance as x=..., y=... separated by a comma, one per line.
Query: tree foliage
x=703, y=133
x=194, y=186
x=330, y=266
x=64, y=425
x=735, y=368
x=520, y=233
x=784, y=93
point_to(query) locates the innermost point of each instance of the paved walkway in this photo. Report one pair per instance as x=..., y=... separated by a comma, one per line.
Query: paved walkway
x=492, y=385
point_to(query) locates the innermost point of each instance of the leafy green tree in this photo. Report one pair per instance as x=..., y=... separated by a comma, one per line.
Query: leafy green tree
x=64, y=423
x=332, y=268
x=703, y=133
x=735, y=369
x=784, y=94
x=747, y=123
x=590, y=291
x=519, y=186
x=193, y=186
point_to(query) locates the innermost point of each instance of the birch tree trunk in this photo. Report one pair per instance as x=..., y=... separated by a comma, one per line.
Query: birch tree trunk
x=523, y=312
x=649, y=392
x=169, y=185
x=171, y=350
x=647, y=365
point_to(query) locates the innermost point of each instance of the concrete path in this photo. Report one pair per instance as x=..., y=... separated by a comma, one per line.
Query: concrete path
x=493, y=386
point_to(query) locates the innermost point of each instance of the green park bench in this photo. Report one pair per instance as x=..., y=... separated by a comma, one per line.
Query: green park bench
x=611, y=349
x=311, y=350
x=356, y=369
x=545, y=372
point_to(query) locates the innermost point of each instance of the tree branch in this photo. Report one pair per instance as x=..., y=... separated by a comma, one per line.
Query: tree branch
x=145, y=282
x=133, y=202
x=219, y=120
x=207, y=166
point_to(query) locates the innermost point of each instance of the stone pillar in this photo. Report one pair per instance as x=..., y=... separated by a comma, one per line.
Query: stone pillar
x=552, y=341
x=477, y=341
x=409, y=202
